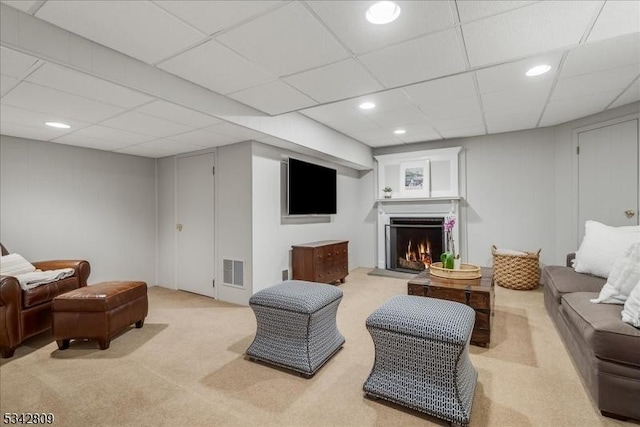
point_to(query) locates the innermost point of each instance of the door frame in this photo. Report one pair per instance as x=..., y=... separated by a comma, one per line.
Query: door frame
x=213, y=151
x=575, y=160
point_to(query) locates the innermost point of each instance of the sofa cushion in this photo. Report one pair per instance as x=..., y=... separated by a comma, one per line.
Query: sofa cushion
x=561, y=280
x=45, y=293
x=602, y=328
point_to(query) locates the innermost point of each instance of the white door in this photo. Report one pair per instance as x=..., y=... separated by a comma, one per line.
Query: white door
x=195, y=232
x=608, y=187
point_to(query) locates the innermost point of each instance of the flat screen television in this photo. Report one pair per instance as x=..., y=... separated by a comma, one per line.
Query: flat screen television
x=311, y=189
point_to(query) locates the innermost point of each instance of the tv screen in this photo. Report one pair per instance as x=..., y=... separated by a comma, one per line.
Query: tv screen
x=311, y=189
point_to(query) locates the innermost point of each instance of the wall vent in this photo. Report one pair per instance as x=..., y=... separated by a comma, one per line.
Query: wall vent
x=233, y=272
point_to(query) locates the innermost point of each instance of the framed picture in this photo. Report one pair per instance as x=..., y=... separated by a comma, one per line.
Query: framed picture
x=414, y=179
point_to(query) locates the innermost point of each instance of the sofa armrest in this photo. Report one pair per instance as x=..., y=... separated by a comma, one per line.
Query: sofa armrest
x=570, y=258
x=10, y=306
x=81, y=267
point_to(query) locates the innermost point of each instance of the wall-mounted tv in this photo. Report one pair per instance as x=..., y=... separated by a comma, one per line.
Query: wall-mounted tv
x=311, y=189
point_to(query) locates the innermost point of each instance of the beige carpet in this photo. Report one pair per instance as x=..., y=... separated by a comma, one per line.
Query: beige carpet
x=186, y=367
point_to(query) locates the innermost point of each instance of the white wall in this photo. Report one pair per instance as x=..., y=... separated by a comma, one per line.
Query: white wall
x=233, y=210
x=566, y=187
x=166, y=178
x=59, y=201
x=274, y=234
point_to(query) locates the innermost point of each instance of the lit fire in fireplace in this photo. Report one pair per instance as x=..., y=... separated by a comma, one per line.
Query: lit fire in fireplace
x=420, y=256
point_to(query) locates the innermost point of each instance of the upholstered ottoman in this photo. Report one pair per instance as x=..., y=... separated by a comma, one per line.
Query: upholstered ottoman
x=99, y=312
x=422, y=359
x=296, y=325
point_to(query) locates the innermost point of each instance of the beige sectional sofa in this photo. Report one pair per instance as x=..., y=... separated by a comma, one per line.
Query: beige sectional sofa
x=604, y=349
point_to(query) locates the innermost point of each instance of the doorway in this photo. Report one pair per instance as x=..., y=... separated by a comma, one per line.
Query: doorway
x=608, y=187
x=195, y=267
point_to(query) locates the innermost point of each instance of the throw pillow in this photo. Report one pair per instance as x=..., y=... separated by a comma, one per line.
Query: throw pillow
x=625, y=274
x=13, y=264
x=631, y=310
x=602, y=246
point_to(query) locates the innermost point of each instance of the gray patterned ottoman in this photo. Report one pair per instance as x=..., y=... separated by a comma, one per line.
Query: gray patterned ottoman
x=422, y=356
x=296, y=325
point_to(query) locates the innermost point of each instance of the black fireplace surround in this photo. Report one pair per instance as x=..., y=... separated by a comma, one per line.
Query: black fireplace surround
x=414, y=243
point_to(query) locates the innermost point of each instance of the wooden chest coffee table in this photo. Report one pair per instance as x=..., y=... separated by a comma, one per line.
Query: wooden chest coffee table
x=476, y=293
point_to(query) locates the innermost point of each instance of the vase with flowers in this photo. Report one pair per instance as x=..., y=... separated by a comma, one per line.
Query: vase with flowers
x=449, y=256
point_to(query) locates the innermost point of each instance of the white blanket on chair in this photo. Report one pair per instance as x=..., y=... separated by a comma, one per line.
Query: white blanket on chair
x=39, y=277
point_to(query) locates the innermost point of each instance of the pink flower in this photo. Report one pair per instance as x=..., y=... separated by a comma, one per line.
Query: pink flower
x=449, y=223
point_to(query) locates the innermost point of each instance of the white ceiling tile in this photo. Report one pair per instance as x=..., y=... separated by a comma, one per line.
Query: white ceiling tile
x=7, y=83
x=618, y=17
x=88, y=142
x=285, y=41
x=133, y=121
x=81, y=84
x=527, y=31
x=104, y=133
x=470, y=10
x=213, y=16
x=42, y=99
x=512, y=120
x=452, y=108
x=632, y=94
x=418, y=132
x=463, y=132
x=38, y=133
x=603, y=81
x=159, y=148
x=15, y=64
x=603, y=55
x=441, y=90
x=273, y=98
x=560, y=111
x=23, y=5
x=458, y=122
x=202, y=65
x=136, y=28
x=511, y=76
x=389, y=100
x=176, y=113
x=336, y=81
x=239, y=132
x=19, y=116
x=398, y=118
x=420, y=59
x=347, y=20
x=526, y=98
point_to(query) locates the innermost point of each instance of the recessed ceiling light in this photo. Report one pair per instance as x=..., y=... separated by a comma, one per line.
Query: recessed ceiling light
x=383, y=12
x=58, y=125
x=399, y=131
x=367, y=105
x=537, y=70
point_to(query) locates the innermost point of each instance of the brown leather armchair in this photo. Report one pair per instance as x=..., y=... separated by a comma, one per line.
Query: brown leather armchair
x=24, y=314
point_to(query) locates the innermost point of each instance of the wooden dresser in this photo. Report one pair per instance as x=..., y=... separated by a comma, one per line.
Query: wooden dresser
x=476, y=293
x=326, y=261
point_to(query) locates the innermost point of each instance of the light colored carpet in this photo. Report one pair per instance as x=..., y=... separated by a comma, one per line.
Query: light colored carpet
x=186, y=367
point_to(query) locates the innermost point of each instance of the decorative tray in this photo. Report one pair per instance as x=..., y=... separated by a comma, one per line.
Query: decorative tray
x=466, y=271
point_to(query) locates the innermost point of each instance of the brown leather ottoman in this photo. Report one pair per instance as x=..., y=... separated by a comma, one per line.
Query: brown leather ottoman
x=99, y=312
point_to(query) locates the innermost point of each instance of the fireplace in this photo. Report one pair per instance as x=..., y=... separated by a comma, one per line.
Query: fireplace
x=414, y=243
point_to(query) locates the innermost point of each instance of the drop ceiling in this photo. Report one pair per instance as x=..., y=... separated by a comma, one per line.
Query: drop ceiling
x=442, y=70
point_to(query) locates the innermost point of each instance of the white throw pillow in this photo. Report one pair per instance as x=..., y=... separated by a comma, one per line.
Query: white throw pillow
x=631, y=310
x=602, y=246
x=624, y=276
x=13, y=264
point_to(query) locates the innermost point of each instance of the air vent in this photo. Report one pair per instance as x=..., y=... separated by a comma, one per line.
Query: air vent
x=233, y=272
